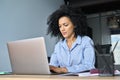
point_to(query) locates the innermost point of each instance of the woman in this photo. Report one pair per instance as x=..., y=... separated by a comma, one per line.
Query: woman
x=74, y=52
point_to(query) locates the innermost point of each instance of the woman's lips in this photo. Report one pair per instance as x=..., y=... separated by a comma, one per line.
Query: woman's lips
x=64, y=33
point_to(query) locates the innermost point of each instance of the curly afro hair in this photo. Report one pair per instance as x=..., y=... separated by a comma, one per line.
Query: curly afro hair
x=76, y=16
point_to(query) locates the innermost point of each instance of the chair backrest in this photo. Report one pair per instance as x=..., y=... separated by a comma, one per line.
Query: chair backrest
x=101, y=49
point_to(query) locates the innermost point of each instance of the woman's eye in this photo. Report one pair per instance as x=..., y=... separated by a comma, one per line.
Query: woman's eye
x=65, y=24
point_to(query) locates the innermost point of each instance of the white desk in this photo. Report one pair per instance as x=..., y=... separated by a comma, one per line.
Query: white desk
x=54, y=77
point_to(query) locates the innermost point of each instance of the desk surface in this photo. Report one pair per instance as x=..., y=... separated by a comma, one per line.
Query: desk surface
x=54, y=77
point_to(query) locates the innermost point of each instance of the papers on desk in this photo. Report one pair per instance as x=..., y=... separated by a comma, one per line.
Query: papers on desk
x=87, y=74
x=93, y=72
x=80, y=74
x=117, y=72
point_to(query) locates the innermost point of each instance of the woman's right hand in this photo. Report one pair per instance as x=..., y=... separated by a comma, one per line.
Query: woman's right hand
x=57, y=69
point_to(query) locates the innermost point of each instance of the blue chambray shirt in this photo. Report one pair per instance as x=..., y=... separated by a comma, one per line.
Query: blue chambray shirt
x=80, y=57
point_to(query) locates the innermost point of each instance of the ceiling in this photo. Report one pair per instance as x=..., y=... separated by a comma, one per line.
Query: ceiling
x=94, y=6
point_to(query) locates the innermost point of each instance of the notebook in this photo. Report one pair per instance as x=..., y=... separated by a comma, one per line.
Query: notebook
x=28, y=56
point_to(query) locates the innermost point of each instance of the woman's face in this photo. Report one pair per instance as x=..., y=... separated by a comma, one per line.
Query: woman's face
x=66, y=27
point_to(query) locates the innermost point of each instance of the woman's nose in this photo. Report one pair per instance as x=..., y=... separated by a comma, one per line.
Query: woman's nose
x=62, y=28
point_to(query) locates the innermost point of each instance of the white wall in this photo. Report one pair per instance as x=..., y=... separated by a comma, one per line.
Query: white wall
x=21, y=19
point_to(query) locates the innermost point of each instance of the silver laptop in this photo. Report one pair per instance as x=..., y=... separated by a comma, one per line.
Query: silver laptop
x=28, y=56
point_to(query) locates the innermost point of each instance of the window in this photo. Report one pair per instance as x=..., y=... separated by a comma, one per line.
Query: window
x=114, y=39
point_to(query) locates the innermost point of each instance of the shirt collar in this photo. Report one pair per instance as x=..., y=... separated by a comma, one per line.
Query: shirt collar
x=77, y=41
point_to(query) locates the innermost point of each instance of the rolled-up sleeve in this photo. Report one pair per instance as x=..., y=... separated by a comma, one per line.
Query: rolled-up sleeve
x=53, y=59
